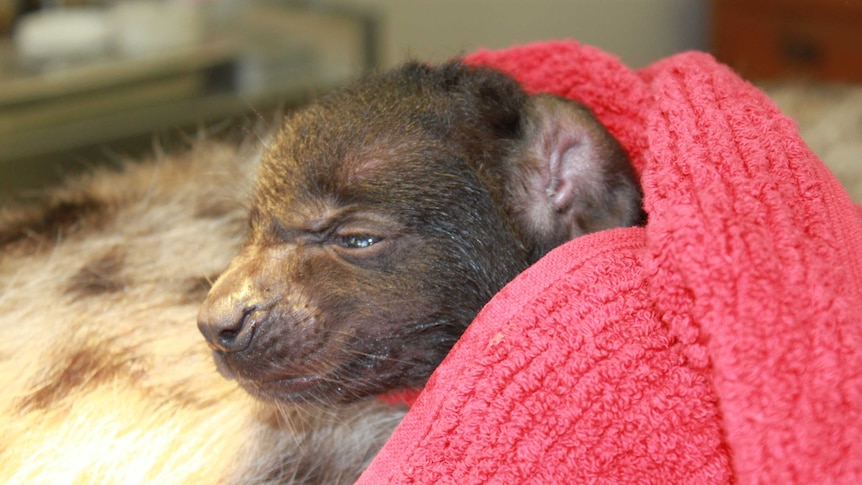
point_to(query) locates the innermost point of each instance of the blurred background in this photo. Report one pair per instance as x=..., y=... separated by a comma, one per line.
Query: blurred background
x=86, y=81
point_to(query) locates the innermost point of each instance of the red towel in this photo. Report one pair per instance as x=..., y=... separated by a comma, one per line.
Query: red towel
x=722, y=343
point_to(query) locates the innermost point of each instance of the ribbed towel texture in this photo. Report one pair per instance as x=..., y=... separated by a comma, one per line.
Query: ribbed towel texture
x=722, y=343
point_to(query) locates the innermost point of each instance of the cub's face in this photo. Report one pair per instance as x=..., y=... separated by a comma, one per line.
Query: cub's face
x=376, y=236
x=385, y=216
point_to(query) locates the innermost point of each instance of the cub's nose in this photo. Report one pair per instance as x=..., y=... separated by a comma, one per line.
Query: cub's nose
x=227, y=324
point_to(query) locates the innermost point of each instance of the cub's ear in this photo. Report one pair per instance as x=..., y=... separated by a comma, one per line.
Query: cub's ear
x=570, y=176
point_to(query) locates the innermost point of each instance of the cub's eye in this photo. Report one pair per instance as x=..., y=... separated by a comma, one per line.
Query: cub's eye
x=358, y=246
x=358, y=241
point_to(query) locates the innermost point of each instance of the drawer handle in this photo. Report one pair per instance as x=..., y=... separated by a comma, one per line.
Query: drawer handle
x=800, y=51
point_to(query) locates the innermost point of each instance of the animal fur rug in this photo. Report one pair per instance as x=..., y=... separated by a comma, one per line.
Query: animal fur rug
x=719, y=344
x=104, y=375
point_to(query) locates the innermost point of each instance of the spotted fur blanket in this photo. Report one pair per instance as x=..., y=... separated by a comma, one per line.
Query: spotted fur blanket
x=104, y=375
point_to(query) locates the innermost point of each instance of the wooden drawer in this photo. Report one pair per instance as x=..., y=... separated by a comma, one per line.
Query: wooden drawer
x=769, y=39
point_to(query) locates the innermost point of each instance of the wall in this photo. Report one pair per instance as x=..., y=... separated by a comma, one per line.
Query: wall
x=639, y=31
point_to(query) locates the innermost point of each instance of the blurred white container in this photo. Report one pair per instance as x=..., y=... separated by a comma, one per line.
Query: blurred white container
x=64, y=33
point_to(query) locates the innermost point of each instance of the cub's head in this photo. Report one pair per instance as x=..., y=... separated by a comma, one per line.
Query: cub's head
x=387, y=214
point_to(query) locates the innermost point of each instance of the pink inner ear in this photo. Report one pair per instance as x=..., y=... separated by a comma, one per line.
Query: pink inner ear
x=578, y=174
x=571, y=159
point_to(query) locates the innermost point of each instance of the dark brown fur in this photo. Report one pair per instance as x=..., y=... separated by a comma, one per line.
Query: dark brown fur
x=386, y=215
x=100, y=275
x=51, y=221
